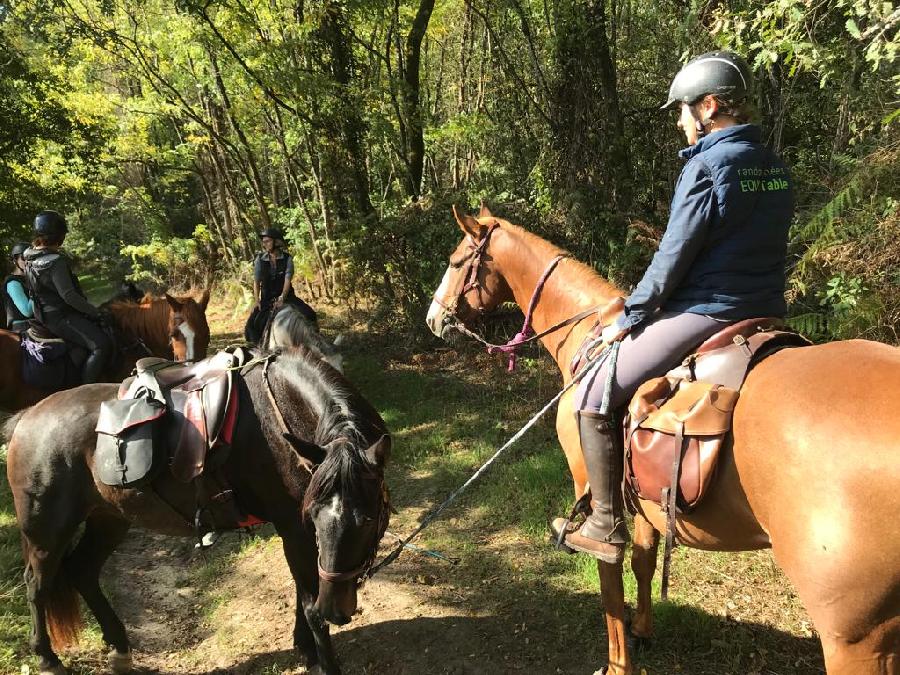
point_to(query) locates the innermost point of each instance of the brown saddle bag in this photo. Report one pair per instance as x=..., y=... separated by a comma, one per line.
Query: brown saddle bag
x=675, y=429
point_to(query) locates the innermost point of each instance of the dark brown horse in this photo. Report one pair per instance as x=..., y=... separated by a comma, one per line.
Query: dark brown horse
x=342, y=505
x=169, y=327
x=812, y=469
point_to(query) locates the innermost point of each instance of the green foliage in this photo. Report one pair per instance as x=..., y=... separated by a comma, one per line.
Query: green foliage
x=173, y=262
x=143, y=120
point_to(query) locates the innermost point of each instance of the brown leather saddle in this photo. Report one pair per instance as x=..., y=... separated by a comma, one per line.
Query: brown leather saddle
x=201, y=403
x=168, y=414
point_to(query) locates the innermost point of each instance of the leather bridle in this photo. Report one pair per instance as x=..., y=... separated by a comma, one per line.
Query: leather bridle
x=360, y=573
x=469, y=279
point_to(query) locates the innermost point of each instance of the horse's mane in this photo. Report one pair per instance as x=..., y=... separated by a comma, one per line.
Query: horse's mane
x=583, y=277
x=148, y=316
x=291, y=329
x=347, y=424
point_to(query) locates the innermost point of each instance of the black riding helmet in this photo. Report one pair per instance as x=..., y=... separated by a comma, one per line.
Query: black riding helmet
x=719, y=73
x=272, y=233
x=49, y=223
x=17, y=250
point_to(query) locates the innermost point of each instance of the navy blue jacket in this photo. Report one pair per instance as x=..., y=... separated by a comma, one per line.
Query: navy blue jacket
x=723, y=253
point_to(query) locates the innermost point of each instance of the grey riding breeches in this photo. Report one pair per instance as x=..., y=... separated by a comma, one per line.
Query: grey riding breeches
x=651, y=350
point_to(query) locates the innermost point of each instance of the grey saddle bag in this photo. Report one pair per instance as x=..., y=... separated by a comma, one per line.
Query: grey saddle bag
x=126, y=455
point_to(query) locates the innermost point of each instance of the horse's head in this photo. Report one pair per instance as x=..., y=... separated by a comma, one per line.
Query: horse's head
x=187, y=327
x=347, y=502
x=472, y=285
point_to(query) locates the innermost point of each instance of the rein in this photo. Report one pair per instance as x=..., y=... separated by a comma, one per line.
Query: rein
x=526, y=334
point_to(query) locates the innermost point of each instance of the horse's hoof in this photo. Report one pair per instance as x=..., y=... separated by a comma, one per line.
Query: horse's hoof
x=58, y=669
x=120, y=662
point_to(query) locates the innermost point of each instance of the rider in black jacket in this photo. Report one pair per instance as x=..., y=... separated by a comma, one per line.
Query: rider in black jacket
x=59, y=302
x=273, y=270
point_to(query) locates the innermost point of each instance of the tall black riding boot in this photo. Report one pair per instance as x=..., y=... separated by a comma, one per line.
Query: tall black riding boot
x=603, y=534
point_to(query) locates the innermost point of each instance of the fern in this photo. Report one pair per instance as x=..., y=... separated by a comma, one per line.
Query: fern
x=813, y=325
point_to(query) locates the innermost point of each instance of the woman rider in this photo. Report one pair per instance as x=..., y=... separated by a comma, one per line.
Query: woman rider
x=273, y=271
x=721, y=260
x=19, y=307
x=59, y=303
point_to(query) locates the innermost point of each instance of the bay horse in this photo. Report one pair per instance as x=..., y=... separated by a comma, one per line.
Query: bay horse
x=342, y=504
x=812, y=467
x=169, y=327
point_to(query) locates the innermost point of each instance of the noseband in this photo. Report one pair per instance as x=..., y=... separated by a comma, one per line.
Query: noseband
x=360, y=573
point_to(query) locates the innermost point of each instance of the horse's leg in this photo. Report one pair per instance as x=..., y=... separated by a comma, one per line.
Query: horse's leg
x=567, y=431
x=612, y=593
x=101, y=536
x=878, y=653
x=50, y=599
x=643, y=564
x=311, y=636
x=612, y=590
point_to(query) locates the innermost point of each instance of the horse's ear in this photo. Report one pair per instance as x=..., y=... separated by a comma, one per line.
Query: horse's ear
x=469, y=225
x=379, y=452
x=174, y=303
x=485, y=212
x=204, y=299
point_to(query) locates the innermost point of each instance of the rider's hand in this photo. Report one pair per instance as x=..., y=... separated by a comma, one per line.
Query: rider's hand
x=613, y=333
x=279, y=301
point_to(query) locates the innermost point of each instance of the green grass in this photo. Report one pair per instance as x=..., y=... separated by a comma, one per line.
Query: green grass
x=14, y=617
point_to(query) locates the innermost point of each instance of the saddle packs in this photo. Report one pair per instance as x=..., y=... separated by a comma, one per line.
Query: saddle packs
x=167, y=413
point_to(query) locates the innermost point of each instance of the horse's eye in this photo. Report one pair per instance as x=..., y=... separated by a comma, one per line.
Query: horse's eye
x=362, y=519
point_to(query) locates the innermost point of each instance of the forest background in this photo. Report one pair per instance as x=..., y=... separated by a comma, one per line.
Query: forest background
x=169, y=133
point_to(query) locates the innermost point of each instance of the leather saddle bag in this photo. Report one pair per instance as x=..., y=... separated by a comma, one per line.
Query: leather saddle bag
x=126, y=454
x=674, y=431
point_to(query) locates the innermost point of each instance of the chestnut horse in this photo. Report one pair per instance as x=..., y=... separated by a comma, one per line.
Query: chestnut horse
x=330, y=521
x=169, y=327
x=812, y=469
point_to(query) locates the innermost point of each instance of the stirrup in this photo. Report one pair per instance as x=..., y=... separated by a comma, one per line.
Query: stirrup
x=582, y=507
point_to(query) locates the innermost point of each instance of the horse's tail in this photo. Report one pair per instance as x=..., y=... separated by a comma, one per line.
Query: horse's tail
x=63, y=608
x=8, y=425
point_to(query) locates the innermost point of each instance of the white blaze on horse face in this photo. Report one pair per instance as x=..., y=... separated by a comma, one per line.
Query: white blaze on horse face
x=435, y=318
x=335, y=509
x=189, y=336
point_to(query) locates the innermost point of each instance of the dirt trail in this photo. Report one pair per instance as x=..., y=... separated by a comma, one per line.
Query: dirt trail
x=413, y=619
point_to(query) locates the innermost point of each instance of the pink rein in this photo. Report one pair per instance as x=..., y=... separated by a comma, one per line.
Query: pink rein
x=527, y=332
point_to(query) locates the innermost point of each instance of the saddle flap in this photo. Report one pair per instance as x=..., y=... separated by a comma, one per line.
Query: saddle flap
x=117, y=416
x=193, y=439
